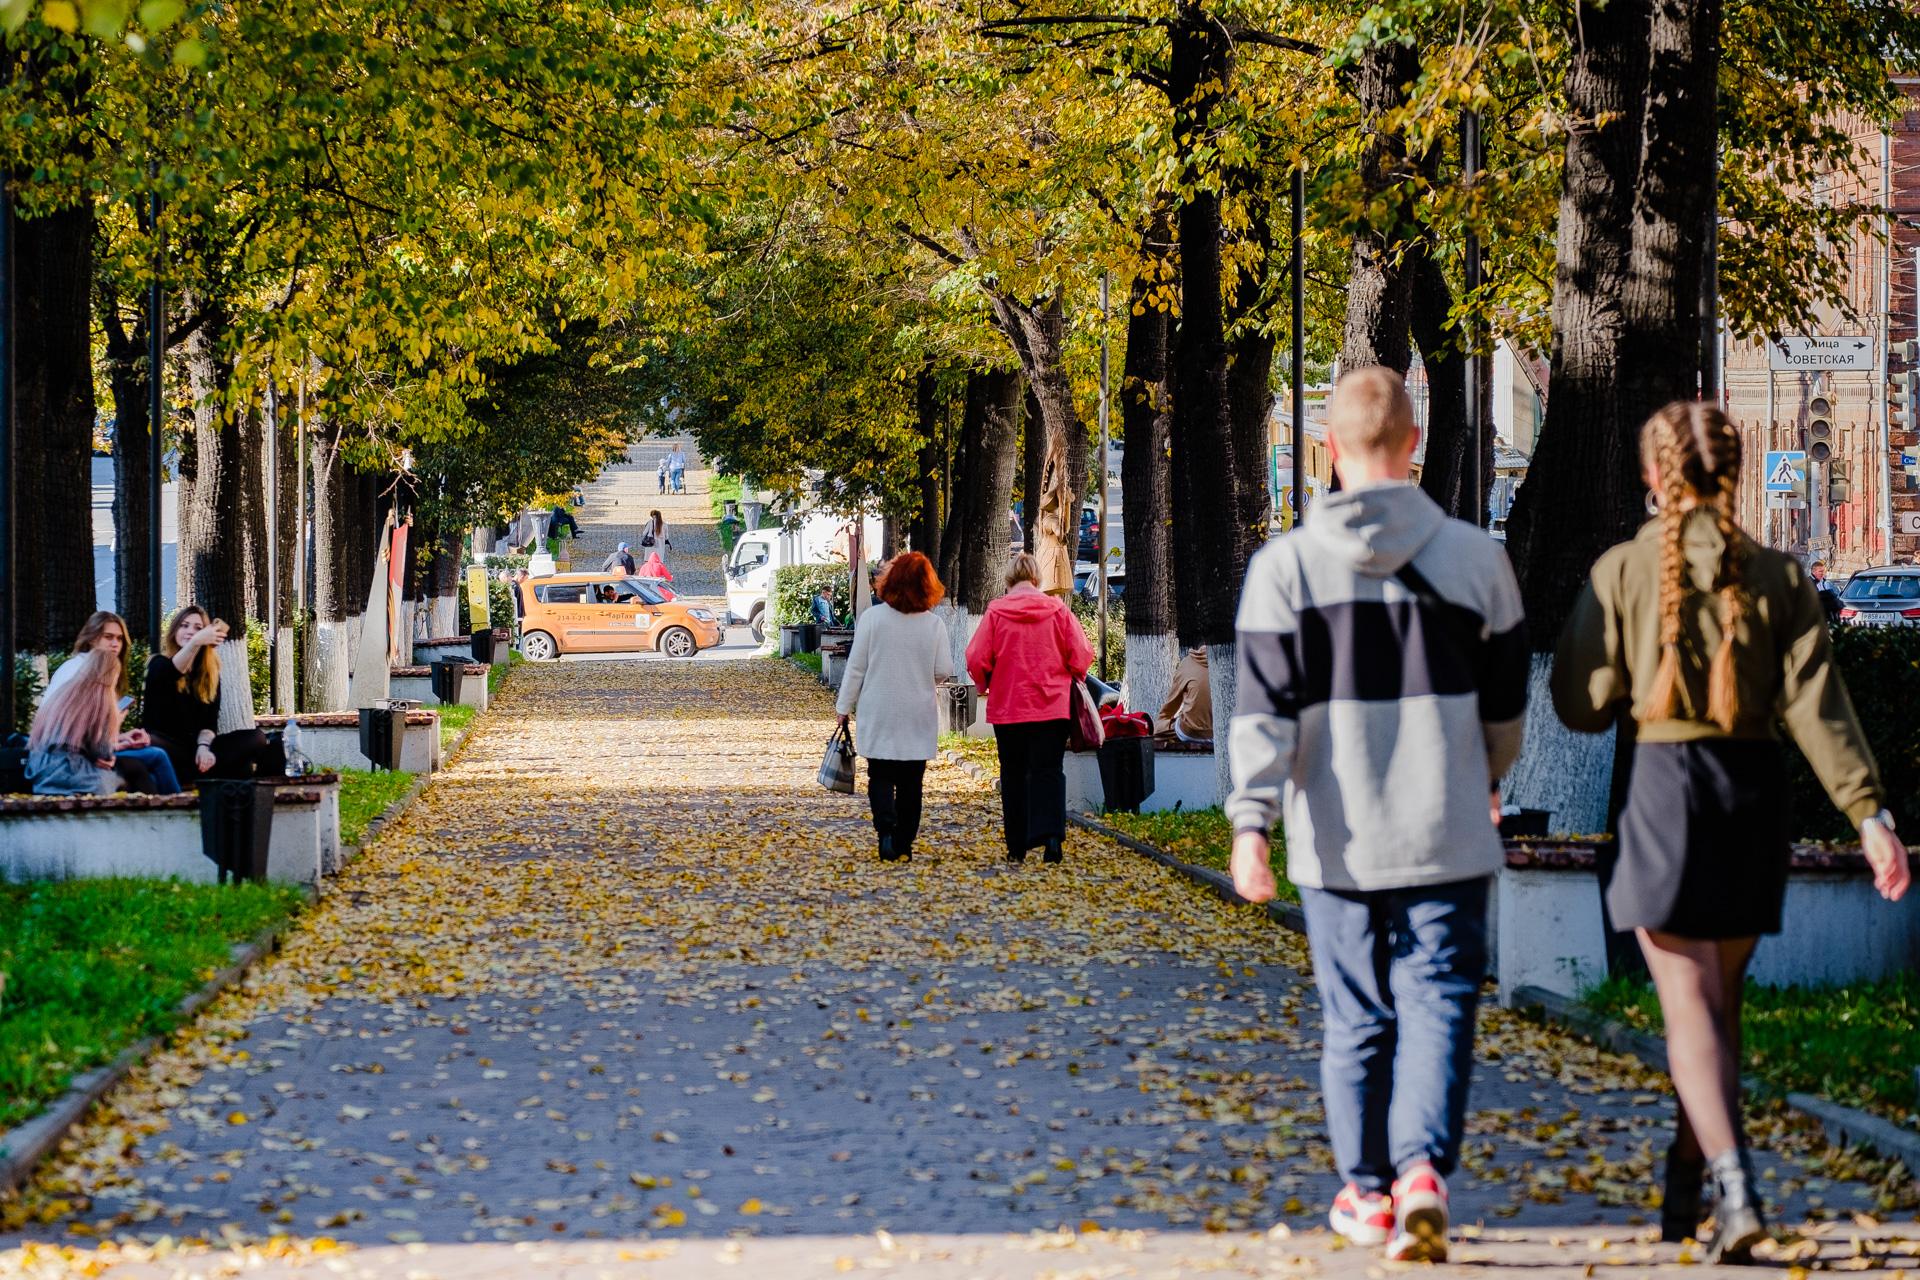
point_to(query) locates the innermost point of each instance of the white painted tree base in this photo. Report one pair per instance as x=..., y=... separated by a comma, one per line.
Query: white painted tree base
x=1223, y=676
x=326, y=673
x=1566, y=773
x=1151, y=661
x=236, y=686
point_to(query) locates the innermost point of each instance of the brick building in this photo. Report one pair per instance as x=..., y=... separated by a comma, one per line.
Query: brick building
x=1773, y=405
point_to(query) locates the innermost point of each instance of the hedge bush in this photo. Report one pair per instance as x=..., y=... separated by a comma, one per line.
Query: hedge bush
x=1882, y=670
x=795, y=586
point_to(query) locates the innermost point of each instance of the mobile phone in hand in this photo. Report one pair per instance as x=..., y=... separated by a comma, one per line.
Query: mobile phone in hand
x=126, y=700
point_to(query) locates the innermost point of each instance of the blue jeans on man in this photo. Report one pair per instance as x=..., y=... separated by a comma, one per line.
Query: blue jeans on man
x=159, y=764
x=1399, y=972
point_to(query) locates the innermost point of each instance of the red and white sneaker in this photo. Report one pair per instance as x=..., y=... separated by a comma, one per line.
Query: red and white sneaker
x=1419, y=1217
x=1364, y=1217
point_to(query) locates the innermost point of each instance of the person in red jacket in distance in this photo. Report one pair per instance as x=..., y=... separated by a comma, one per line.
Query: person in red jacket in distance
x=1025, y=657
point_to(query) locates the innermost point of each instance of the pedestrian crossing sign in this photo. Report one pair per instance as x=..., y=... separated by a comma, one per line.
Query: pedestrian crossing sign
x=1786, y=471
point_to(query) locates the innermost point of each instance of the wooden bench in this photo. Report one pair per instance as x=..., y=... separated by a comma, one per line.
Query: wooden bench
x=158, y=837
x=415, y=684
x=1547, y=929
x=331, y=739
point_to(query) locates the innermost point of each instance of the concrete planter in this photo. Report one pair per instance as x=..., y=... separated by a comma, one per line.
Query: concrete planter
x=1181, y=779
x=415, y=684
x=158, y=837
x=331, y=739
x=1547, y=930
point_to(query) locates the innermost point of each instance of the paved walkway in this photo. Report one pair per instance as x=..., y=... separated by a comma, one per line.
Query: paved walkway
x=626, y=994
x=616, y=510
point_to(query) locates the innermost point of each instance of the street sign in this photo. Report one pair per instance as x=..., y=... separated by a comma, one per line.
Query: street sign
x=1848, y=351
x=1786, y=471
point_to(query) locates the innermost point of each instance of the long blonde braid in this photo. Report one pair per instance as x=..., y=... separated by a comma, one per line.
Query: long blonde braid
x=1695, y=450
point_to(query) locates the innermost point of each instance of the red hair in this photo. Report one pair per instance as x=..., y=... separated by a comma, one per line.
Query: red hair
x=910, y=584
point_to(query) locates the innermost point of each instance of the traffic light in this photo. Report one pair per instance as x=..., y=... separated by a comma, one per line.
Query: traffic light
x=1819, y=429
x=1905, y=390
x=1839, y=484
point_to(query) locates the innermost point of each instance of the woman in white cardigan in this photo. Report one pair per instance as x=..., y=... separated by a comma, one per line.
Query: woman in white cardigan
x=899, y=651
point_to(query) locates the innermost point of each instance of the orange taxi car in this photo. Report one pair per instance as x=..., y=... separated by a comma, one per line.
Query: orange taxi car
x=606, y=613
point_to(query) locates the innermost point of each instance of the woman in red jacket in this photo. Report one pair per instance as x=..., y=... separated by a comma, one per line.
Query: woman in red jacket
x=1025, y=657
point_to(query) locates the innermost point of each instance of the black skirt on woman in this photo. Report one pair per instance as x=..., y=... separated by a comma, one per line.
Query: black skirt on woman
x=1703, y=840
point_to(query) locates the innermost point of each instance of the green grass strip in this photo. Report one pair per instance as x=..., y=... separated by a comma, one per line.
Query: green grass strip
x=1856, y=1044
x=89, y=967
x=364, y=796
x=1202, y=837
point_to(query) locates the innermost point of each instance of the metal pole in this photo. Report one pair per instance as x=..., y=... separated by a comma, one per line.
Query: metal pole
x=299, y=519
x=156, y=420
x=1100, y=543
x=1470, y=275
x=1299, y=371
x=273, y=547
x=7, y=579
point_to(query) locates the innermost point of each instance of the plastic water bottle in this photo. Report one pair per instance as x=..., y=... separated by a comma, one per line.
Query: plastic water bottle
x=298, y=766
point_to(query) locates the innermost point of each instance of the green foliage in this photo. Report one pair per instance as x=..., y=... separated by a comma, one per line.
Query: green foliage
x=1855, y=1044
x=88, y=967
x=1088, y=612
x=1881, y=666
x=455, y=719
x=27, y=688
x=795, y=586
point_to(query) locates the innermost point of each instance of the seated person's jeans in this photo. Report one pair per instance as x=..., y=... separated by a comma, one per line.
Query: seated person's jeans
x=165, y=781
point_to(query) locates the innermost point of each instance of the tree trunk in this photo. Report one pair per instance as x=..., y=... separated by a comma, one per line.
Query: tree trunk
x=222, y=515
x=53, y=390
x=1146, y=480
x=1378, y=293
x=132, y=509
x=1033, y=449
x=993, y=407
x=1207, y=569
x=1641, y=87
x=1037, y=332
x=330, y=649
x=1250, y=391
x=1447, y=472
x=927, y=522
x=960, y=483
x=286, y=534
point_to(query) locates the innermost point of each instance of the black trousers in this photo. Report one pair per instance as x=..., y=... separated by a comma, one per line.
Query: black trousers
x=893, y=793
x=1033, y=782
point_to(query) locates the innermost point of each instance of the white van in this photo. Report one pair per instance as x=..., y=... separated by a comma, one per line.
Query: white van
x=758, y=552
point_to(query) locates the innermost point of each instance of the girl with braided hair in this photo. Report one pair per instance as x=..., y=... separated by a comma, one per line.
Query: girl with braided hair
x=1710, y=639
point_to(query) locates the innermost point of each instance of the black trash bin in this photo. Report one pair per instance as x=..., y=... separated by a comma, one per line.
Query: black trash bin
x=1126, y=773
x=382, y=734
x=483, y=642
x=959, y=707
x=449, y=674
x=236, y=827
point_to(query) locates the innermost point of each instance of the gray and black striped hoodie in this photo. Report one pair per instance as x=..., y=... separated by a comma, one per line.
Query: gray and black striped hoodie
x=1382, y=689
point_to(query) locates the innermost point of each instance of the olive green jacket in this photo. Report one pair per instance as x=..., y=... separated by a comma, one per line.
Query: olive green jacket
x=1783, y=663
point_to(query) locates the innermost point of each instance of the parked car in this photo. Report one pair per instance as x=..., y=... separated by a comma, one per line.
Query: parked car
x=1883, y=597
x=1086, y=581
x=606, y=613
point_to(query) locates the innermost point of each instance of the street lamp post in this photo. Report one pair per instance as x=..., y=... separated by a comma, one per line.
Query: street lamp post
x=6, y=459
x=1470, y=275
x=1100, y=543
x=156, y=359
x=1299, y=343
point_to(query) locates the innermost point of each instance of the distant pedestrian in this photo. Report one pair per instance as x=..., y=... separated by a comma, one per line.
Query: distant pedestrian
x=621, y=559
x=1381, y=686
x=562, y=523
x=518, y=583
x=655, y=568
x=899, y=651
x=1709, y=638
x=1025, y=657
x=653, y=536
x=677, y=468
x=663, y=475
x=1829, y=598
x=822, y=611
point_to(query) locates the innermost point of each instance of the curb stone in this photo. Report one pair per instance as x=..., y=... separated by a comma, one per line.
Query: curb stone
x=1844, y=1126
x=26, y=1144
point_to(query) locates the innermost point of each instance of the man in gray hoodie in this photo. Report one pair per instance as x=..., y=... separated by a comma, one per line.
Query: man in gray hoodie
x=1382, y=687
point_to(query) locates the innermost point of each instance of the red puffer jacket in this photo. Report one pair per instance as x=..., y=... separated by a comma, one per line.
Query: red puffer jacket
x=1027, y=653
